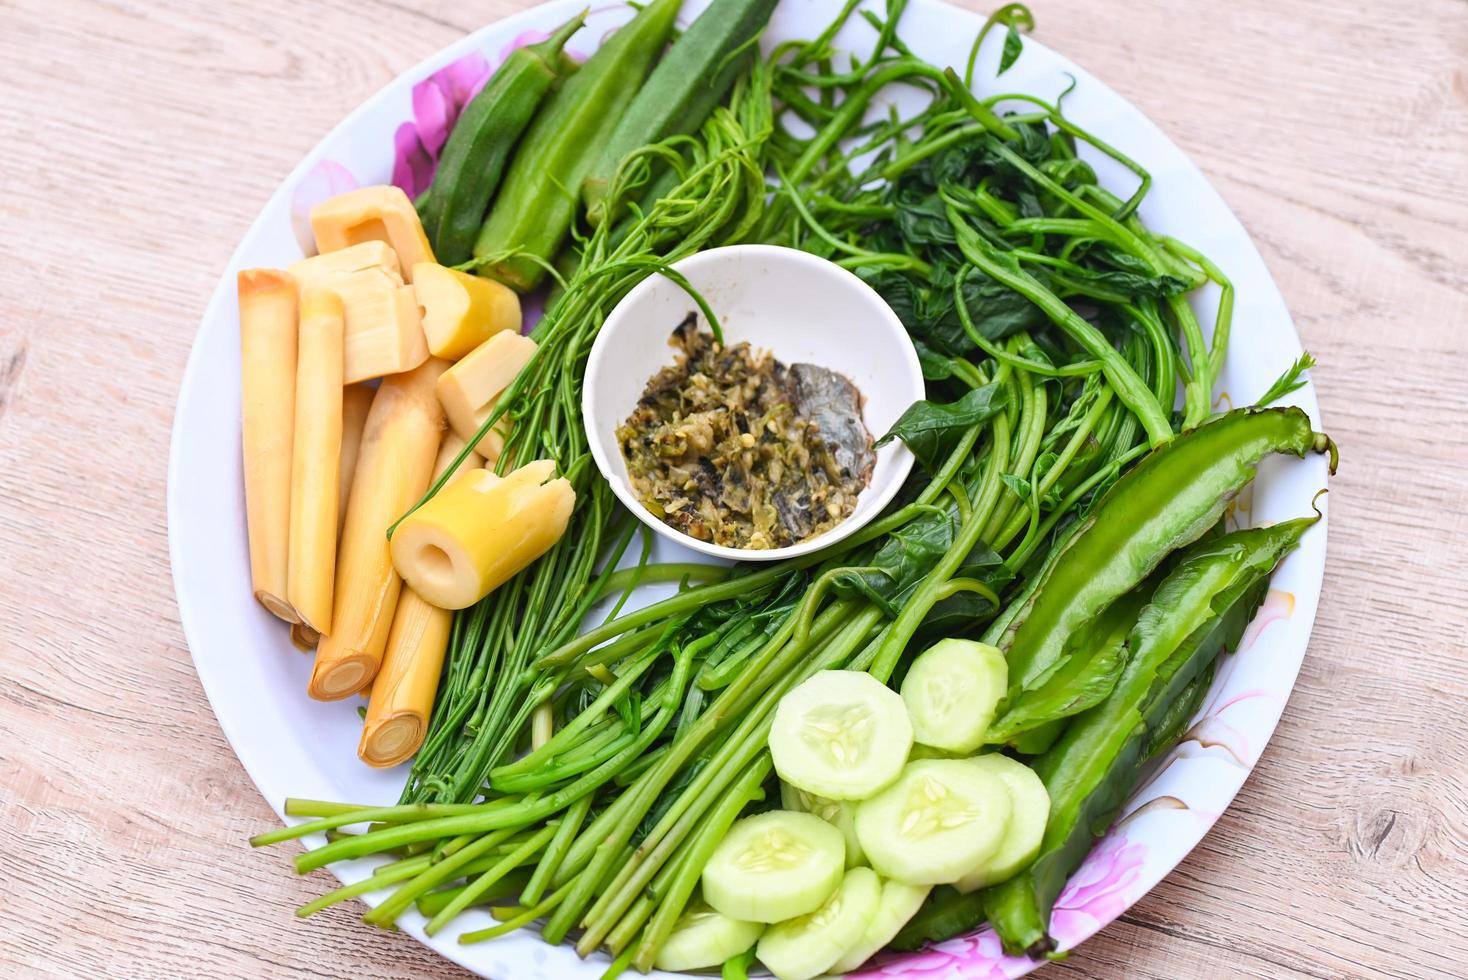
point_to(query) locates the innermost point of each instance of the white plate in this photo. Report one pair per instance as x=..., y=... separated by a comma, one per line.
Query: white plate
x=293, y=746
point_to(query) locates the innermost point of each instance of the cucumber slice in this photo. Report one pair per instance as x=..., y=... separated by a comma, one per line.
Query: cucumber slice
x=840, y=814
x=898, y=903
x=775, y=866
x=941, y=819
x=807, y=946
x=841, y=734
x=951, y=691
x=1031, y=808
x=704, y=938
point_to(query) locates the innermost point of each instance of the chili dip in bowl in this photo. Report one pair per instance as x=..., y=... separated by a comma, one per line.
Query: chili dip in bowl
x=811, y=359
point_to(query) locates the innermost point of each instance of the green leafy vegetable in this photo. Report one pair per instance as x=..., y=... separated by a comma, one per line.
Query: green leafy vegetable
x=930, y=429
x=1291, y=380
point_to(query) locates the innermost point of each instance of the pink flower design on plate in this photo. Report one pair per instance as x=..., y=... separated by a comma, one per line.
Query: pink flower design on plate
x=1098, y=892
x=326, y=179
x=437, y=102
x=975, y=957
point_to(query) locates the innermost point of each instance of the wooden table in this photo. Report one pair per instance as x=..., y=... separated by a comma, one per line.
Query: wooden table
x=141, y=139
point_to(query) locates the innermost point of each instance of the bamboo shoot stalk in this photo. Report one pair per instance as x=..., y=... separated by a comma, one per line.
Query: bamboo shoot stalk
x=394, y=466
x=356, y=400
x=403, y=693
x=267, y=300
x=316, y=458
x=304, y=638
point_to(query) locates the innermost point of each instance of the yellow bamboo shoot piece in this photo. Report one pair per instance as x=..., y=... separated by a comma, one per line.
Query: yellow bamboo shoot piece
x=319, y=270
x=470, y=388
x=394, y=465
x=461, y=311
x=316, y=453
x=384, y=330
x=304, y=638
x=479, y=530
x=267, y=406
x=356, y=400
x=402, y=694
x=381, y=213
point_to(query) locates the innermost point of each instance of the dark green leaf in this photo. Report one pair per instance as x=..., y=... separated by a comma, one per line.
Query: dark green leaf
x=1018, y=485
x=902, y=561
x=936, y=367
x=930, y=429
x=1014, y=46
x=923, y=220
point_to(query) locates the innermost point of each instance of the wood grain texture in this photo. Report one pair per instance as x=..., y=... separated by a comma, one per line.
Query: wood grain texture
x=140, y=141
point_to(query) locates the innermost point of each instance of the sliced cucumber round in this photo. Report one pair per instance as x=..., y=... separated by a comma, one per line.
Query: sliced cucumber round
x=806, y=946
x=841, y=734
x=941, y=819
x=704, y=938
x=1031, y=808
x=898, y=903
x=840, y=814
x=775, y=866
x=951, y=691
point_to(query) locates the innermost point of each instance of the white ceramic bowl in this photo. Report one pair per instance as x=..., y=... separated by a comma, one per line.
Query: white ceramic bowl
x=797, y=306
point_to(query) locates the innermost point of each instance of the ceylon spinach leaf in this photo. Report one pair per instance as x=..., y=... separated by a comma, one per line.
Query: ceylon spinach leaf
x=931, y=429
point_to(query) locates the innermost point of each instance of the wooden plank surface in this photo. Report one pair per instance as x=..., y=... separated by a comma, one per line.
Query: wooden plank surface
x=140, y=140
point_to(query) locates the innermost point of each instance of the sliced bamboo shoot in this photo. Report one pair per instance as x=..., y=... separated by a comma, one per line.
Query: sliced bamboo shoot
x=316, y=454
x=268, y=391
x=304, y=638
x=479, y=530
x=319, y=270
x=462, y=311
x=403, y=693
x=394, y=465
x=384, y=329
x=384, y=333
x=470, y=388
x=379, y=213
x=356, y=400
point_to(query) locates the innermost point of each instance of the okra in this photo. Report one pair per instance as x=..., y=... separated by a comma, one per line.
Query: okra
x=482, y=141
x=683, y=89
x=537, y=204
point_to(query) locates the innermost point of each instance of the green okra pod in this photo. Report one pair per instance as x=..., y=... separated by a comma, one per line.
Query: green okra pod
x=683, y=89
x=482, y=141
x=542, y=190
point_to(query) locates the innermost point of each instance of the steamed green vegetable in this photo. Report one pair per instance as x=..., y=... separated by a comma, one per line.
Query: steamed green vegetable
x=1198, y=610
x=1167, y=501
